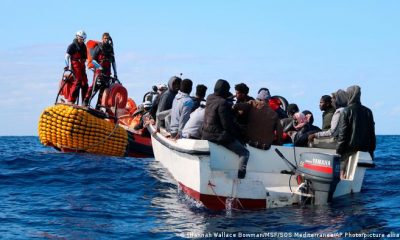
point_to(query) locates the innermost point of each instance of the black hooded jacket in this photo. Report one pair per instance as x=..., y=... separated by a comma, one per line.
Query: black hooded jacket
x=356, y=126
x=218, y=123
x=168, y=96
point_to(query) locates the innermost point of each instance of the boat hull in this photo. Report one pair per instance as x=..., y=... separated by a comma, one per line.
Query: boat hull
x=207, y=172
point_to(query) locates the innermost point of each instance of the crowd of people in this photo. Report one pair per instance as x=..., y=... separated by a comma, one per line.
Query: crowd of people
x=232, y=120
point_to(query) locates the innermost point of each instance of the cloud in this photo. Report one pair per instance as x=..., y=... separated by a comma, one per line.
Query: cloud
x=395, y=112
x=299, y=94
x=133, y=57
x=15, y=103
x=378, y=105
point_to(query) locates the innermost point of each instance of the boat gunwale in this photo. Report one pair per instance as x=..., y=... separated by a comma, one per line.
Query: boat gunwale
x=155, y=135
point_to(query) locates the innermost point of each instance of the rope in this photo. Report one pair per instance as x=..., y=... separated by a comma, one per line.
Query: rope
x=212, y=188
x=235, y=182
x=294, y=153
x=233, y=196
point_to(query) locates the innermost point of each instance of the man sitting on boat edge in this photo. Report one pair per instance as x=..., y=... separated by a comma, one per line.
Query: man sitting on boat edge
x=181, y=109
x=219, y=126
x=356, y=129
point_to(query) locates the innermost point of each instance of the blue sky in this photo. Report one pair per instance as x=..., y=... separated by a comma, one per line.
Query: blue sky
x=298, y=49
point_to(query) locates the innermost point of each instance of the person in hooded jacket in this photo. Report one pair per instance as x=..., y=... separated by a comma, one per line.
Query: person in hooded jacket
x=75, y=59
x=339, y=100
x=219, y=127
x=356, y=128
x=181, y=109
x=161, y=88
x=103, y=58
x=165, y=102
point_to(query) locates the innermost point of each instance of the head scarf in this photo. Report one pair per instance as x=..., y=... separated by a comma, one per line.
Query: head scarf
x=299, y=120
x=264, y=95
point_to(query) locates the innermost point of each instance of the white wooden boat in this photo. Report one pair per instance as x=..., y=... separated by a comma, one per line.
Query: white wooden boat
x=207, y=172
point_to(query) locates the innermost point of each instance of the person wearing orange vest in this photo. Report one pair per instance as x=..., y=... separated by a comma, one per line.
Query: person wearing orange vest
x=75, y=59
x=103, y=60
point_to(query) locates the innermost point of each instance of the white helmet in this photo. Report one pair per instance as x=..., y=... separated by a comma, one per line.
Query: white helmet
x=81, y=34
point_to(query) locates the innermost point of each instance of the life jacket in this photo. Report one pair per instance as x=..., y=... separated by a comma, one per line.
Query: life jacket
x=131, y=106
x=90, y=46
x=125, y=116
x=274, y=103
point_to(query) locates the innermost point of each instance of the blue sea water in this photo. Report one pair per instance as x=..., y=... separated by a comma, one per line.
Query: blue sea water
x=45, y=194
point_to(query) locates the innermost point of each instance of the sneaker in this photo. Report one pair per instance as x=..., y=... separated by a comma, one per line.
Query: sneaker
x=241, y=173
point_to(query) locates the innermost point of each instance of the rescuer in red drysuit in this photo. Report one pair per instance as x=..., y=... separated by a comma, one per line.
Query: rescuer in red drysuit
x=103, y=59
x=75, y=59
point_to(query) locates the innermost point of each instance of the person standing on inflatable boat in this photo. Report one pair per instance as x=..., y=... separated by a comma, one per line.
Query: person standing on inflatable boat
x=75, y=59
x=103, y=59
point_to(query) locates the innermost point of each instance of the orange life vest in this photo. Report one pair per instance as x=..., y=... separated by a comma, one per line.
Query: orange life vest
x=90, y=46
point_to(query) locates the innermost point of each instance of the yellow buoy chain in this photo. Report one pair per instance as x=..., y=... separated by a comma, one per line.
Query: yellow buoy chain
x=75, y=129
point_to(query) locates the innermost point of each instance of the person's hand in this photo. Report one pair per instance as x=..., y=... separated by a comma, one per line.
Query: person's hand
x=177, y=136
x=146, y=122
x=311, y=137
x=117, y=81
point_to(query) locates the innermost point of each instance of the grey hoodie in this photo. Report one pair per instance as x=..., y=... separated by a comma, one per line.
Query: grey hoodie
x=180, y=112
x=341, y=99
x=340, y=104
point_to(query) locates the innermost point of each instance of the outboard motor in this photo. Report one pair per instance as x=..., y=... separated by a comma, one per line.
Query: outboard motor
x=320, y=173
